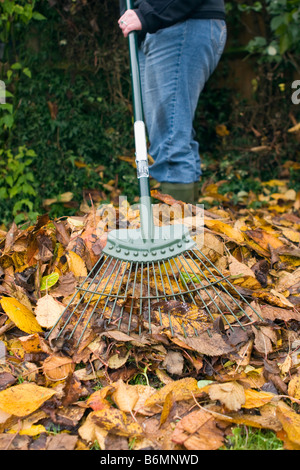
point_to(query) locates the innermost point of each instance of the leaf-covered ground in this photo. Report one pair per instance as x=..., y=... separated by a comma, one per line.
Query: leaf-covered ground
x=120, y=390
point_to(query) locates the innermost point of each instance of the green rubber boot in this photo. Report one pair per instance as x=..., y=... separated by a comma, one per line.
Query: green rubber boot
x=180, y=191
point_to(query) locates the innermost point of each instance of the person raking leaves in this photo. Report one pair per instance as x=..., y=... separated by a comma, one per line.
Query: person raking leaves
x=180, y=45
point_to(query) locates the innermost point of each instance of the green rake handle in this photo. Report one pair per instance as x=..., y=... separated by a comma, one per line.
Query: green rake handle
x=141, y=154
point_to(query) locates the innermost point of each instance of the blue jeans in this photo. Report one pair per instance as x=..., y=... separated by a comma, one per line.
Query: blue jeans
x=175, y=64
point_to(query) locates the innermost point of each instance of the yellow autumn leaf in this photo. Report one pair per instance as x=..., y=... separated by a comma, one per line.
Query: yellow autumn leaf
x=221, y=130
x=20, y=315
x=168, y=404
x=294, y=387
x=292, y=235
x=225, y=229
x=90, y=432
x=255, y=399
x=33, y=430
x=76, y=264
x=290, y=421
x=23, y=399
x=264, y=239
x=182, y=389
x=273, y=299
x=295, y=128
x=117, y=421
x=125, y=396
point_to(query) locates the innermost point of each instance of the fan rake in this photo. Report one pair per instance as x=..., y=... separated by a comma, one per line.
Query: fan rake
x=183, y=294
x=151, y=278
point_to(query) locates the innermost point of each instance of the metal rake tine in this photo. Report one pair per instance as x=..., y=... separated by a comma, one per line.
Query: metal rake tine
x=156, y=289
x=230, y=284
x=132, y=299
x=125, y=295
x=96, y=304
x=170, y=284
x=191, y=280
x=71, y=300
x=164, y=290
x=183, y=280
x=117, y=294
x=149, y=303
x=141, y=295
x=218, y=295
x=82, y=297
x=205, y=288
x=181, y=292
x=174, y=295
x=89, y=301
x=177, y=283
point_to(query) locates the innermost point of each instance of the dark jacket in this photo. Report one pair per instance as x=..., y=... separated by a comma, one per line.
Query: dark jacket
x=158, y=14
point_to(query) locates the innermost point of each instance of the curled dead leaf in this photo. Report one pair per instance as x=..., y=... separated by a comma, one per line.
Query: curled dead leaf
x=58, y=367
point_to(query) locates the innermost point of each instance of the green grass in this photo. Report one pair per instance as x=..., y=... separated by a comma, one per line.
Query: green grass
x=246, y=438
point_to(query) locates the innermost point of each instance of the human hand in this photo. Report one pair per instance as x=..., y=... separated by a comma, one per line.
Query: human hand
x=129, y=22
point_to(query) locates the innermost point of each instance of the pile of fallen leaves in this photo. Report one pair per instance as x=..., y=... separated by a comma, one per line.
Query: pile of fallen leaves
x=151, y=391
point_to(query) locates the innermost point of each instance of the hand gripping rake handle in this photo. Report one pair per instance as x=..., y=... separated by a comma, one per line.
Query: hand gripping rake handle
x=146, y=215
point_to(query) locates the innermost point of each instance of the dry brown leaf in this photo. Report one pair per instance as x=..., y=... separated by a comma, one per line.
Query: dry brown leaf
x=198, y=431
x=264, y=239
x=211, y=344
x=236, y=268
x=174, y=362
x=264, y=339
x=61, y=442
x=125, y=396
x=231, y=394
x=286, y=365
x=268, y=421
x=144, y=392
x=58, y=367
x=287, y=280
x=278, y=313
x=48, y=311
x=116, y=360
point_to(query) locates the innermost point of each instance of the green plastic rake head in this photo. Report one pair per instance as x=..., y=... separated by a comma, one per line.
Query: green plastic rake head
x=151, y=277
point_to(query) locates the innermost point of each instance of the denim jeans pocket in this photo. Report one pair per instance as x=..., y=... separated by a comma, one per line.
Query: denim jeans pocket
x=218, y=35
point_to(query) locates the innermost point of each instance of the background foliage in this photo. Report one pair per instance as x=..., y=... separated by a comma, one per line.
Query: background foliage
x=66, y=127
